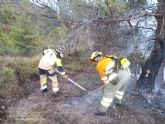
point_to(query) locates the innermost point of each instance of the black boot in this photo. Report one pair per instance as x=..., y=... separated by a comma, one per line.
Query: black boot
x=99, y=113
x=44, y=90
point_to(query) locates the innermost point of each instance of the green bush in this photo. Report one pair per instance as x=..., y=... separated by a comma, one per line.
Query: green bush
x=26, y=68
x=8, y=73
x=5, y=16
x=16, y=71
x=7, y=80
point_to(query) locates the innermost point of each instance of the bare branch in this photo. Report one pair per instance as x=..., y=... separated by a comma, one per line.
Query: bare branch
x=129, y=23
x=130, y=17
x=163, y=23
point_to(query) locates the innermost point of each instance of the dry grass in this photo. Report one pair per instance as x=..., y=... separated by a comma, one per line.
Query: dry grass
x=15, y=71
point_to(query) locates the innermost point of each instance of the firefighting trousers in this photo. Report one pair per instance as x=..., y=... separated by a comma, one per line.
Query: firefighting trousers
x=44, y=75
x=111, y=91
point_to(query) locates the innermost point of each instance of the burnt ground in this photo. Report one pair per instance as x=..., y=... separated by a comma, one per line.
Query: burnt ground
x=71, y=106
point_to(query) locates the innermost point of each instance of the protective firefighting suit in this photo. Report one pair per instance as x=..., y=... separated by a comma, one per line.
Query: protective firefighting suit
x=115, y=78
x=46, y=68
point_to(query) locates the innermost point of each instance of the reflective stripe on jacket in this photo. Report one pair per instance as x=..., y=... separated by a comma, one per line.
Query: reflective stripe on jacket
x=104, y=66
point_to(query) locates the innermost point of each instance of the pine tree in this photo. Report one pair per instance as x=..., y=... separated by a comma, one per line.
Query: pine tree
x=22, y=35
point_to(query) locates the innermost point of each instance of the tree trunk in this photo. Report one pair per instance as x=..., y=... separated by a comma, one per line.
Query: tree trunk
x=152, y=64
x=106, y=2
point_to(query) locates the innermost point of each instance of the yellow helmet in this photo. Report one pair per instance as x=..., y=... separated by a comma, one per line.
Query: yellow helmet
x=95, y=54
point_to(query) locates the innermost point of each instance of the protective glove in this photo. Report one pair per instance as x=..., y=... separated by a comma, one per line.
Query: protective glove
x=51, y=72
x=106, y=81
x=65, y=76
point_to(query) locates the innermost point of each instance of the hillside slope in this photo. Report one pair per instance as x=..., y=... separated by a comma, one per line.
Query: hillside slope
x=71, y=106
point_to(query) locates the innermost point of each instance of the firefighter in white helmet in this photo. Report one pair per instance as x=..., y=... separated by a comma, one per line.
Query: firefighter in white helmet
x=50, y=59
x=114, y=72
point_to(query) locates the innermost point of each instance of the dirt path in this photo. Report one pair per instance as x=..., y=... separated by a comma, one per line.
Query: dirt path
x=70, y=106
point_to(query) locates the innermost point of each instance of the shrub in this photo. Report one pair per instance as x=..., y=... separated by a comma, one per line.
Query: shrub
x=7, y=80
x=26, y=68
x=5, y=16
x=15, y=72
x=136, y=58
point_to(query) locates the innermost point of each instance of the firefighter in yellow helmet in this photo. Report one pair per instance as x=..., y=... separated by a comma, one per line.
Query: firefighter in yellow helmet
x=114, y=72
x=50, y=59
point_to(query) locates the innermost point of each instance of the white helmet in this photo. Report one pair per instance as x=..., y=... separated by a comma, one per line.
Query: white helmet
x=95, y=54
x=61, y=50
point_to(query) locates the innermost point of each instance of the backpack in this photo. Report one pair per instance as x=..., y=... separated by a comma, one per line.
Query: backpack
x=120, y=63
x=124, y=63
